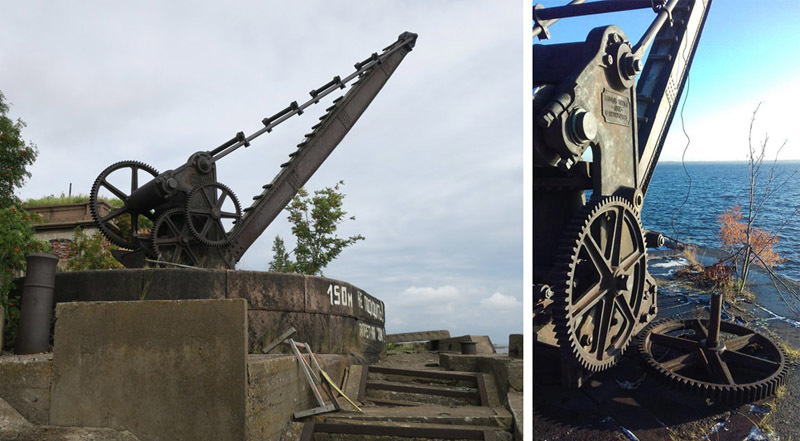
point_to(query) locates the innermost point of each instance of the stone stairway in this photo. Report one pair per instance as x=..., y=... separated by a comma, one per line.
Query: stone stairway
x=416, y=402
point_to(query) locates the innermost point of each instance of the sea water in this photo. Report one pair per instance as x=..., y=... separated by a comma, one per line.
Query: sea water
x=717, y=187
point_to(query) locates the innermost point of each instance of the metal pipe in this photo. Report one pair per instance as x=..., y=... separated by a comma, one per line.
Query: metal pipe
x=37, y=304
x=540, y=26
x=714, y=318
x=655, y=26
x=577, y=10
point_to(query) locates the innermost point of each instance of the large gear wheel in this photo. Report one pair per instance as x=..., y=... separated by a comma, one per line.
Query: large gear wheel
x=746, y=367
x=208, y=207
x=121, y=225
x=173, y=242
x=600, y=302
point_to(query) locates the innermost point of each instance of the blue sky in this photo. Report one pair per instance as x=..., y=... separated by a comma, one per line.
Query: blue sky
x=748, y=54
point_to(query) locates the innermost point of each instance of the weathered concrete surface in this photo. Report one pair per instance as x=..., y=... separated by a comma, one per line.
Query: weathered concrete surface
x=278, y=292
x=515, y=405
x=506, y=370
x=164, y=370
x=324, y=332
x=407, y=337
x=14, y=426
x=515, y=346
x=306, y=298
x=276, y=388
x=483, y=344
x=25, y=384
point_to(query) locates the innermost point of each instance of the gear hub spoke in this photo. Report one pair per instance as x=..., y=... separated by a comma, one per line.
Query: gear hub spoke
x=120, y=226
x=206, y=206
x=598, y=308
x=750, y=373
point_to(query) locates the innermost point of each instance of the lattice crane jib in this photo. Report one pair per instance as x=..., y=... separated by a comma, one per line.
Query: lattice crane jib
x=185, y=217
x=615, y=99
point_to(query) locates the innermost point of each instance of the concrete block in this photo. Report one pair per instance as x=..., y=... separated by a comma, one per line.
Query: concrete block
x=483, y=344
x=408, y=337
x=515, y=345
x=174, y=284
x=25, y=384
x=352, y=381
x=117, y=285
x=268, y=291
x=335, y=297
x=163, y=370
x=507, y=371
x=277, y=388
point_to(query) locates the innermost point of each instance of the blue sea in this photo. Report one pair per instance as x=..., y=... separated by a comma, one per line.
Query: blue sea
x=716, y=187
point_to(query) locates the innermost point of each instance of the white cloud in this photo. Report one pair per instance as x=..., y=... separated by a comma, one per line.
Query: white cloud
x=501, y=301
x=433, y=169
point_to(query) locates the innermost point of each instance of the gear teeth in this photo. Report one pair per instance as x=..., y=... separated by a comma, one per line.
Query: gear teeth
x=93, y=202
x=230, y=235
x=566, y=263
x=723, y=393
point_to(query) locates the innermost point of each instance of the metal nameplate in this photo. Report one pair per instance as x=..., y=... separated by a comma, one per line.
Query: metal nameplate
x=616, y=108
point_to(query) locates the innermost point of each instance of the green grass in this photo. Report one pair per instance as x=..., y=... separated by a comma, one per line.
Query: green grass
x=63, y=200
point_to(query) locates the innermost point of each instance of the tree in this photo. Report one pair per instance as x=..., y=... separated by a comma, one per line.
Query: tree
x=281, y=263
x=314, y=224
x=746, y=243
x=90, y=253
x=16, y=230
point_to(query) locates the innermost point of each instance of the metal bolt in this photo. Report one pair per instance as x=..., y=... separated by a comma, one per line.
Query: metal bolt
x=547, y=119
x=609, y=59
x=582, y=126
x=624, y=282
x=566, y=164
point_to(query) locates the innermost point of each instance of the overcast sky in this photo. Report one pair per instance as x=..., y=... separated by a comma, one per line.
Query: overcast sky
x=433, y=169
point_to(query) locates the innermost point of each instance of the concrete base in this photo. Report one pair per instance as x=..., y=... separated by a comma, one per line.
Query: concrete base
x=163, y=370
x=506, y=370
x=334, y=316
x=277, y=388
x=483, y=344
x=14, y=426
x=25, y=384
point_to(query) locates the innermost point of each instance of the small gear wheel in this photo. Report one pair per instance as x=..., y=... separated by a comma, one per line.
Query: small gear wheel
x=213, y=213
x=120, y=225
x=746, y=366
x=600, y=302
x=173, y=242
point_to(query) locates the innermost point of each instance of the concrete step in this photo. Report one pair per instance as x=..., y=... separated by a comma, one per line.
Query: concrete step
x=497, y=417
x=399, y=431
x=422, y=394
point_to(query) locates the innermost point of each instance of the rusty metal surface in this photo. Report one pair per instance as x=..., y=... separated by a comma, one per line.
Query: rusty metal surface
x=714, y=359
x=197, y=221
x=592, y=289
x=37, y=304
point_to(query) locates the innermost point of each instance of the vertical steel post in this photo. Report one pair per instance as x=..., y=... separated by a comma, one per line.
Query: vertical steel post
x=713, y=320
x=37, y=304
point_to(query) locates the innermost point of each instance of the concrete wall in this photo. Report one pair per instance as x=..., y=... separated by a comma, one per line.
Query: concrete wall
x=277, y=388
x=333, y=316
x=161, y=370
x=25, y=384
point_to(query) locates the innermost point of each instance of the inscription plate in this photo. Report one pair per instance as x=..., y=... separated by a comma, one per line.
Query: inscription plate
x=616, y=108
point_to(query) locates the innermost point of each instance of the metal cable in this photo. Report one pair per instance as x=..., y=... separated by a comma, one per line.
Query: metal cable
x=683, y=159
